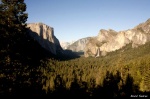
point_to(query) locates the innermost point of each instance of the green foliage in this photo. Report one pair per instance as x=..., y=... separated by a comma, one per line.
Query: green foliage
x=19, y=57
x=127, y=66
x=24, y=70
x=12, y=22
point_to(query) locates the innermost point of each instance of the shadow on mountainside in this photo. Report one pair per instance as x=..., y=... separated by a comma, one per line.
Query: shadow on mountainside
x=20, y=75
x=60, y=53
x=19, y=63
x=20, y=60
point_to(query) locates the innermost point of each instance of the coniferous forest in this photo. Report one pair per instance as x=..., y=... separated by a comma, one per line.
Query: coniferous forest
x=27, y=69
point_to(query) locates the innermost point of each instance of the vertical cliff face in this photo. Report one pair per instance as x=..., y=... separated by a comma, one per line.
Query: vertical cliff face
x=79, y=45
x=110, y=40
x=45, y=36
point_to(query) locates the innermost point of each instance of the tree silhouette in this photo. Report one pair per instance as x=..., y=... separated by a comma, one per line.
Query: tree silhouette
x=12, y=22
x=129, y=87
x=111, y=87
x=78, y=89
x=19, y=57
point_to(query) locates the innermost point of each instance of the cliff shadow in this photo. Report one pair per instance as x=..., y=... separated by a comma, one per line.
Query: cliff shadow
x=53, y=50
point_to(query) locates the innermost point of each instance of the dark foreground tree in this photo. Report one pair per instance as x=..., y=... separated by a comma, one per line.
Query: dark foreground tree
x=12, y=22
x=20, y=54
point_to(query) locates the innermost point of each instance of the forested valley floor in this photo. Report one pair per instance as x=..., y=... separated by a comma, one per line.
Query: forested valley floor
x=28, y=70
x=122, y=73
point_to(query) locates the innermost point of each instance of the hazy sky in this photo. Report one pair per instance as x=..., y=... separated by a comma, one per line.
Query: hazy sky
x=75, y=19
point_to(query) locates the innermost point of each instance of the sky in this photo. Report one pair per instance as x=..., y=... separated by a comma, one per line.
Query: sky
x=76, y=19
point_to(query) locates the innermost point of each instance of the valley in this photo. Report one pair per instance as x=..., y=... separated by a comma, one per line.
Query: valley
x=33, y=62
x=92, y=72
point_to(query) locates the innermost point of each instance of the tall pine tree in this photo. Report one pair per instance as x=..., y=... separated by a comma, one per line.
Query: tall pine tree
x=20, y=54
x=12, y=22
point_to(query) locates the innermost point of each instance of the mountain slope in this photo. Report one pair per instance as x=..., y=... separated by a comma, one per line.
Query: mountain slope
x=129, y=68
x=110, y=40
x=79, y=45
x=64, y=45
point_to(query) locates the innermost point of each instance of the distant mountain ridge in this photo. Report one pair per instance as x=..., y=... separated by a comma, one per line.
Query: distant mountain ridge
x=110, y=40
x=79, y=45
x=64, y=45
x=106, y=40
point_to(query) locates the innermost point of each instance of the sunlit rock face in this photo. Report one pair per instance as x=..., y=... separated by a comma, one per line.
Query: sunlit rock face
x=79, y=45
x=64, y=45
x=110, y=40
x=44, y=34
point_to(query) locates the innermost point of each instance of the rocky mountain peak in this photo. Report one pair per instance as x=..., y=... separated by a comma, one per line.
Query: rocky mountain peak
x=44, y=34
x=110, y=40
x=106, y=35
x=79, y=45
x=144, y=27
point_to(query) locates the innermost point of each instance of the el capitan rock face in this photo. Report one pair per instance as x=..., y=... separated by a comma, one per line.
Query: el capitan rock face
x=106, y=41
x=110, y=40
x=45, y=36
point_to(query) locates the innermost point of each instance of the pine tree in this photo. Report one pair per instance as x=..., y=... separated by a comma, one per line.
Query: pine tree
x=12, y=31
x=12, y=22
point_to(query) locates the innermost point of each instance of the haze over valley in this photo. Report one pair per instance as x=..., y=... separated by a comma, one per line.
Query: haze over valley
x=75, y=48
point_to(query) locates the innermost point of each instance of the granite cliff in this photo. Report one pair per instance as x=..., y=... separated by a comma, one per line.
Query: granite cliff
x=44, y=34
x=110, y=40
x=79, y=45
